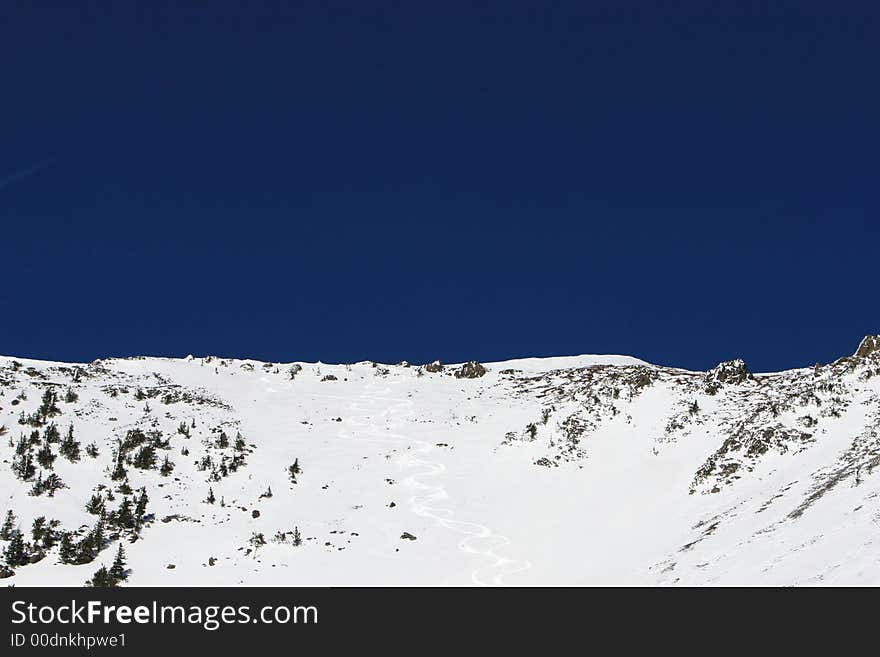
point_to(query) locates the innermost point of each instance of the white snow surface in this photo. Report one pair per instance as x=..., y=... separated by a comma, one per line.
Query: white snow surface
x=633, y=474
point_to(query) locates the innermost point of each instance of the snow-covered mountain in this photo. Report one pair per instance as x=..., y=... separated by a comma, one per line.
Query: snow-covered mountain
x=561, y=471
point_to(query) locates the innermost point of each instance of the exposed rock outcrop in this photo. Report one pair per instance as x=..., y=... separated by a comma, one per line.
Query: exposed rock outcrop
x=728, y=372
x=434, y=367
x=870, y=345
x=470, y=370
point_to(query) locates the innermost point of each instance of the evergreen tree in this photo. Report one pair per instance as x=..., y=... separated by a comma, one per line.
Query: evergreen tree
x=133, y=438
x=66, y=550
x=141, y=506
x=118, y=469
x=118, y=569
x=8, y=526
x=239, y=443
x=70, y=396
x=45, y=457
x=211, y=499
x=23, y=466
x=95, y=505
x=101, y=579
x=92, y=543
x=39, y=529
x=16, y=553
x=293, y=470
x=69, y=448
x=124, y=517
x=44, y=532
x=92, y=450
x=297, y=539
x=52, y=483
x=257, y=541
x=52, y=435
x=38, y=488
x=49, y=407
x=167, y=467
x=145, y=459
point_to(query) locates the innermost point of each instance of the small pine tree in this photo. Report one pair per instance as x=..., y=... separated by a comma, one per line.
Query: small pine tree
x=23, y=466
x=48, y=485
x=101, y=579
x=66, y=550
x=38, y=487
x=16, y=553
x=69, y=448
x=70, y=397
x=145, y=459
x=49, y=406
x=118, y=570
x=239, y=443
x=118, y=469
x=124, y=518
x=210, y=499
x=8, y=526
x=52, y=435
x=297, y=538
x=44, y=532
x=93, y=542
x=38, y=529
x=293, y=470
x=45, y=457
x=95, y=505
x=140, y=507
x=257, y=541
x=92, y=450
x=167, y=467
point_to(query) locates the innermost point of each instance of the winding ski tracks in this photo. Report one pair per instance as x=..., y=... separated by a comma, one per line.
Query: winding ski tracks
x=479, y=539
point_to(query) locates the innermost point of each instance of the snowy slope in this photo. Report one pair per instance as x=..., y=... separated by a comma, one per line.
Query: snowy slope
x=570, y=470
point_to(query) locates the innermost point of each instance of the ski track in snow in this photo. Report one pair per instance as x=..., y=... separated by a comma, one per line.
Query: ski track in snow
x=480, y=539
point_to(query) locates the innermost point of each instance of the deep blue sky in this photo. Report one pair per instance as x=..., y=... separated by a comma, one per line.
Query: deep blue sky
x=342, y=181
